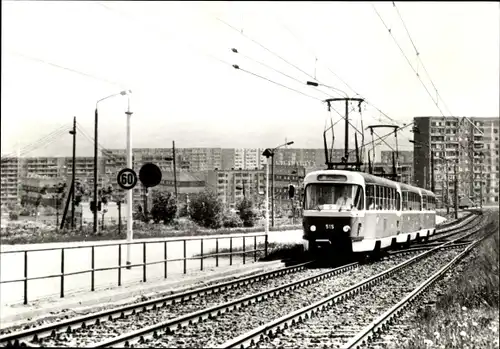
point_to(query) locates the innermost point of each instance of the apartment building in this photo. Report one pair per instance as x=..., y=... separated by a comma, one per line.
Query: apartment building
x=32, y=187
x=404, y=165
x=233, y=185
x=10, y=180
x=403, y=156
x=470, y=145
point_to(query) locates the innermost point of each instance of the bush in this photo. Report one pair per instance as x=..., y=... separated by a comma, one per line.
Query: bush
x=206, y=209
x=182, y=210
x=13, y=216
x=164, y=207
x=25, y=212
x=247, y=214
x=231, y=220
x=185, y=225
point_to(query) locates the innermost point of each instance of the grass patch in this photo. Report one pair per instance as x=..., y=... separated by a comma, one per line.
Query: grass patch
x=276, y=251
x=32, y=233
x=467, y=314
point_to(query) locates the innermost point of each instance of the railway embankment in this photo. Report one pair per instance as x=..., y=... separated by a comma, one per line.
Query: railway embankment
x=462, y=309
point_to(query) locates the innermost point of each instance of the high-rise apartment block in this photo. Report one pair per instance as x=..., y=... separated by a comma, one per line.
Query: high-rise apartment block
x=468, y=144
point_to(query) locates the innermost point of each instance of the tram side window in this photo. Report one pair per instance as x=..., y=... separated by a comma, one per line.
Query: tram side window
x=398, y=201
x=370, y=197
x=378, y=198
x=386, y=198
x=405, y=200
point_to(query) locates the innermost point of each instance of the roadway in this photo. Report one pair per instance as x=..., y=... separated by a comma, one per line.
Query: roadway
x=42, y=263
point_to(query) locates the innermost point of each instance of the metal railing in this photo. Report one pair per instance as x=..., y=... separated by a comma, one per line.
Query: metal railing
x=120, y=266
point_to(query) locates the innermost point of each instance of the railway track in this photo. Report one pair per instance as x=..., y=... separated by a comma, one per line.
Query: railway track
x=348, y=318
x=177, y=310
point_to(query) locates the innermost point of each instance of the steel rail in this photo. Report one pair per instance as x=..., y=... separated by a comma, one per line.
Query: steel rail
x=382, y=323
x=257, y=334
x=51, y=329
x=199, y=316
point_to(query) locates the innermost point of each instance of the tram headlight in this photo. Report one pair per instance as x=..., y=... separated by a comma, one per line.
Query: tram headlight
x=313, y=228
x=346, y=228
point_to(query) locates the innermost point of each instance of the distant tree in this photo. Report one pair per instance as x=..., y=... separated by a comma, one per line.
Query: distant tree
x=164, y=207
x=105, y=194
x=206, y=209
x=231, y=220
x=81, y=191
x=182, y=210
x=246, y=212
x=38, y=201
x=138, y=214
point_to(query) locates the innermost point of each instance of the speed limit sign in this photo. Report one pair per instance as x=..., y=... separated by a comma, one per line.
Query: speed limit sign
x=127, y=178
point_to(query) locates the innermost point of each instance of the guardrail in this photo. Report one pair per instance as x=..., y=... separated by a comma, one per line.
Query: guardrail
x=120, y=266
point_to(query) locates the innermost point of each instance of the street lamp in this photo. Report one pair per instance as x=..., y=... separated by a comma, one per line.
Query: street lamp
x=272, y=176
x=123, y=93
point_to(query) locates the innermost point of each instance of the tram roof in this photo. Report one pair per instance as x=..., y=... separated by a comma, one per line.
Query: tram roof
x=352, y=177
x=362, y=177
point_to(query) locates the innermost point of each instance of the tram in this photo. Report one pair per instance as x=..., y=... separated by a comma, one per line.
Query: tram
x=358, y=212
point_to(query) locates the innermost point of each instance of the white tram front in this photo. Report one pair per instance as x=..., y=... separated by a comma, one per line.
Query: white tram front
x=358, y=212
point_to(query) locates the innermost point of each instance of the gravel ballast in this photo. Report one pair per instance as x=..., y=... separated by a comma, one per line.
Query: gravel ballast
x=334, y=327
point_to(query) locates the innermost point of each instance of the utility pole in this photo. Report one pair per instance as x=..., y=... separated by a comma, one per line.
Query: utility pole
x=456, y=188
x=432, y=172
x=175, y=171
x=95, y=227
x=346, y=143
x=272, y=189
x=73, y=167
x=447, y=190
x=481, y=157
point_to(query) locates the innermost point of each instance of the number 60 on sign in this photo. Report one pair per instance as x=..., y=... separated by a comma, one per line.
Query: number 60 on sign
x=127, y=178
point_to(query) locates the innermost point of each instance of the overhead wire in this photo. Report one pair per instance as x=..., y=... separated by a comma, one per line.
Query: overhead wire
x=235, y=65
x=274, y=82
x=264, y=47
x=332, y=72
x=105, y=151
x=416, y=72
x=40, y=60
x=418, y=57
x=267, y=49
x=274, y=69
x=38, y=144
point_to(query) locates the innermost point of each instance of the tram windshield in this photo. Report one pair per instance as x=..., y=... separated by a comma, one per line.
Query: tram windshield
x=334, y=196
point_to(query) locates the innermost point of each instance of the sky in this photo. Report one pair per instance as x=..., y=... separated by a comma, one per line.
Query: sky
x=59, y=58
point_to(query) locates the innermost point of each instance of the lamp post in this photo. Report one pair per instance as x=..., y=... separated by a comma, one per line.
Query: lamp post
x=267, y=153
x=129, y=157
x=272, y=178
